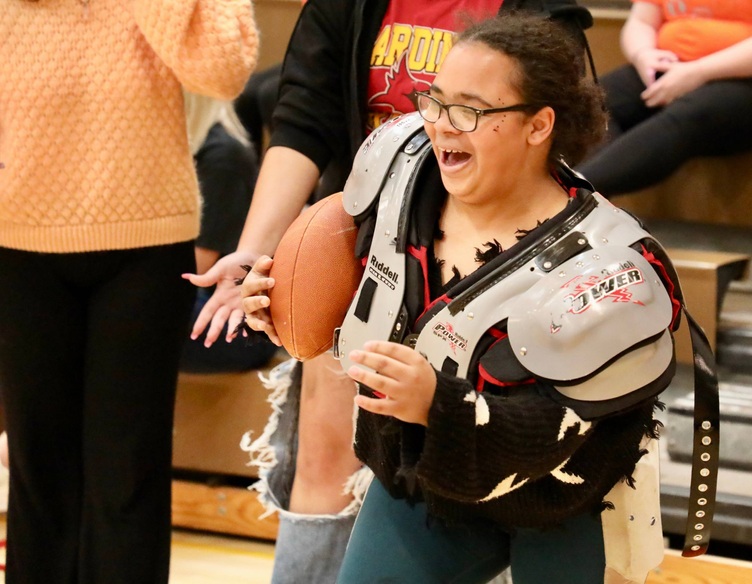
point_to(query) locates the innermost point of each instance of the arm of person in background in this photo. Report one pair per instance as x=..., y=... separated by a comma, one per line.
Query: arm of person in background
x=682, y=77
x=210, y=45
x=639, y=41
x=309, y=125
x=286, y=180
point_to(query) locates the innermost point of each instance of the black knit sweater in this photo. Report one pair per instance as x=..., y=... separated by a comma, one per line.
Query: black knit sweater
x=533, y=464
x=513, y=453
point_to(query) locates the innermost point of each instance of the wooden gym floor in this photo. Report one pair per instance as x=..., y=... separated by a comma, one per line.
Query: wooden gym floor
x=203, y=558
x=216, y=559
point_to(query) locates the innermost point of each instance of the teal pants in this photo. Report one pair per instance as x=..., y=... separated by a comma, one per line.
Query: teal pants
x=393, y=542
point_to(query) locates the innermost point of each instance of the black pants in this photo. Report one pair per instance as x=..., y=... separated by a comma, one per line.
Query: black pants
x=648, y=144
x=89, y=349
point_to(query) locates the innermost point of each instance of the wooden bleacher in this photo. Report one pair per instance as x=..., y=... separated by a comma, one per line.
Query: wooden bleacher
x=212, y=477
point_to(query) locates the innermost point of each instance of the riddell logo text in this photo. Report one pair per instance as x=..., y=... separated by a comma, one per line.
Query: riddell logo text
x=383, y=272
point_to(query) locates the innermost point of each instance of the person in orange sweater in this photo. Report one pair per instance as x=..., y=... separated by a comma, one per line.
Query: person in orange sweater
x=99, y=207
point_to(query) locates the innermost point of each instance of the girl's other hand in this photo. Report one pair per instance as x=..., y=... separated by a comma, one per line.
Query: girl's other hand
x=404, y=378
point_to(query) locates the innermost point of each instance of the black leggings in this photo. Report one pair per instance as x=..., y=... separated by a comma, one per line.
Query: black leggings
x=648, y=144
x=89, y=349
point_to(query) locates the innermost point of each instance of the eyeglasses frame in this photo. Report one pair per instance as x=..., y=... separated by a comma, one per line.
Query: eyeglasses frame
x=520, y=107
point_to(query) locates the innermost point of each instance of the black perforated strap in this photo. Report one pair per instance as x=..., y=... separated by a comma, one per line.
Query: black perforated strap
x=705, y=446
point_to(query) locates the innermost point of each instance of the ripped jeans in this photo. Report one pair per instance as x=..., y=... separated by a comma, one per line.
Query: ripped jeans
x=309, y=547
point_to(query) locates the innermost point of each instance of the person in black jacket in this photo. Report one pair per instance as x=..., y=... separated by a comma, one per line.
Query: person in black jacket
x=339, y=75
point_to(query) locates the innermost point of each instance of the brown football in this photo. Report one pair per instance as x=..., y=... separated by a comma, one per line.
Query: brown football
x=316, y=275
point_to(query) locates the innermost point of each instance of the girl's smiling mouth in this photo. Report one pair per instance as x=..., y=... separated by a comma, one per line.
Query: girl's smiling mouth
x=451, y=158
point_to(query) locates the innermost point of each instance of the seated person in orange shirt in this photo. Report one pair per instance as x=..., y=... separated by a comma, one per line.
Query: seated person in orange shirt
x=686, y=92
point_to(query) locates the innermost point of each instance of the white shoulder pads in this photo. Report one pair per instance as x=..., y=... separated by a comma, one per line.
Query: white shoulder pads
x=589, y=310
x=375, y=156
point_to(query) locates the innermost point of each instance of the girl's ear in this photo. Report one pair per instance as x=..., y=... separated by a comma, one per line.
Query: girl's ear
x=541, y=126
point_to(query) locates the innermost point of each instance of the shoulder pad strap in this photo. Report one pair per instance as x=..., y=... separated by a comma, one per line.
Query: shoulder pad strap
x=573, y=177
x=375, y=157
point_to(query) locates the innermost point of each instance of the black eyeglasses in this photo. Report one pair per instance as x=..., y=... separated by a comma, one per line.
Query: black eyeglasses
x=462, y=117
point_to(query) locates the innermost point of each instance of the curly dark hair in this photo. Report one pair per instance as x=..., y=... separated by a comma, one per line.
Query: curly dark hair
x=550, y=73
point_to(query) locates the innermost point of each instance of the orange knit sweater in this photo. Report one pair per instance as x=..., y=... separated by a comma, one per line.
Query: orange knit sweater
x=93, y=147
